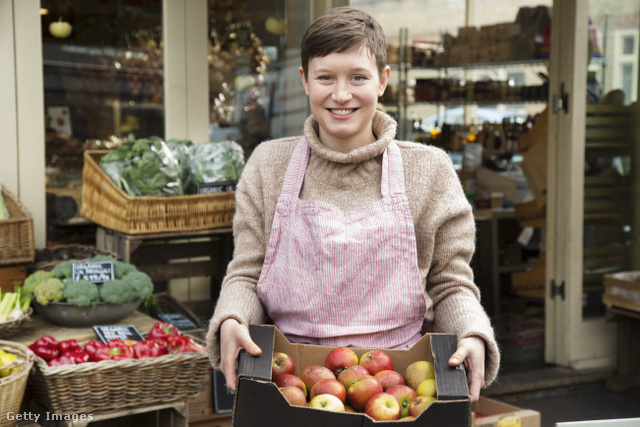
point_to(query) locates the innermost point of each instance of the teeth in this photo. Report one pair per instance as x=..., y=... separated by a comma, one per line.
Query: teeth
x=342, y=112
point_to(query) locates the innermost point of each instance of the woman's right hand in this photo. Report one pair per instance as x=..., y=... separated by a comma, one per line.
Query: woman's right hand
x=234, y=337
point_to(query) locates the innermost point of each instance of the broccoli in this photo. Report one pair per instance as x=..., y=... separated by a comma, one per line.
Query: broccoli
x=81, y=293
x=33, y=280
x=103, y=258
x=141, y=284
x=63, y=270
x=121, y=269
x=49, y=290
x=117, y=291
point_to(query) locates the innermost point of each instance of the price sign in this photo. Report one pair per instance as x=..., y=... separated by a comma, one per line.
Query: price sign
x=216, y=187
x=178, y=320
x=94, y=272
x=121, y=332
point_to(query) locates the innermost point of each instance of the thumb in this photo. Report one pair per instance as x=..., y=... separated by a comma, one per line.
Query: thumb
x=251, y=347
x=458, y=357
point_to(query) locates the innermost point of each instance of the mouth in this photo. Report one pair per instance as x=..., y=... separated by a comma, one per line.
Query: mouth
x=341, y=111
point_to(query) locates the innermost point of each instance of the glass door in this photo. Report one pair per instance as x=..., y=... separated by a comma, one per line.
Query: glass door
x=592, y=177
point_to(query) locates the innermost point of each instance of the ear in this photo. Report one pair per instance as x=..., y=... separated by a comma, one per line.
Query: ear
x=304, y=81
x=384, y=80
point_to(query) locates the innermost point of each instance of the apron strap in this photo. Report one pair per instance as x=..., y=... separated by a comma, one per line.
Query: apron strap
x=294, y=177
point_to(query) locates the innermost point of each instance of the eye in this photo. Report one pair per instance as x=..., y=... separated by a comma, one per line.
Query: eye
x=359, y=78
x=324, y=78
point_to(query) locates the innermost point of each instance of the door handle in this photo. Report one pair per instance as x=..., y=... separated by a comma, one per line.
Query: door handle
x=561, y=102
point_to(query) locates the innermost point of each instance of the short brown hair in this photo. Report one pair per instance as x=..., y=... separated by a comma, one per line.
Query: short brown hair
x=341, y=29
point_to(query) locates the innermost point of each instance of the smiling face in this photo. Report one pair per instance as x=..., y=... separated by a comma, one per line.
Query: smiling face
x=343, y=90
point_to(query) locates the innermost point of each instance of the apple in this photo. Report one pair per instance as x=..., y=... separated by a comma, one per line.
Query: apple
x=282, y=364
x=339, y=359
x=329, y=386
x=383, y=407
x=349, y=408
x=387, y=378
x=408, y=418
x=405, y=396
x=294, y=395
x=359, y=393
x=275, y=26
x=420, y=404
x=328, y=402
x=60, y=29
x=418, y=372
x=314, y=373
x=376, y=361
x=427, y=388
x=290, y=380
x=352, y=374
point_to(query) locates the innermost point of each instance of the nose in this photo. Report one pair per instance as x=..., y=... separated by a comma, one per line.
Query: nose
x=341, y=93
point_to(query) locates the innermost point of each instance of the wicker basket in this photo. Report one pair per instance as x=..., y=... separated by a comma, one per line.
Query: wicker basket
x=12, y=387
x=10, y=328
x=16, y=233
x=115, y=385
x=46, y=259
x=107, y=205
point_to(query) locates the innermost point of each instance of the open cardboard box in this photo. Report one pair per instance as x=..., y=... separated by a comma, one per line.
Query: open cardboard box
x=259, y=402
x=492, y=413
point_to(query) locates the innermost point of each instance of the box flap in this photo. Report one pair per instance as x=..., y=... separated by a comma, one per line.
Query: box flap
x=451, y=382
x=258, y=367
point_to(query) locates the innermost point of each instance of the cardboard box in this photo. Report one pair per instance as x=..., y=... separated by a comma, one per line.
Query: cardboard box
x=259, y=402
x=492, y=413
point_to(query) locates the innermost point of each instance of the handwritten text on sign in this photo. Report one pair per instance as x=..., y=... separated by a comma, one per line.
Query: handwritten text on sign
x=94, y=272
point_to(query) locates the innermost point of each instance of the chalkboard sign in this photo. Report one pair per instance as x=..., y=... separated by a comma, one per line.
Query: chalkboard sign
x=178, y=320
x=216, y=187
x=223, y=397
x=94, y=272
x=121, y=332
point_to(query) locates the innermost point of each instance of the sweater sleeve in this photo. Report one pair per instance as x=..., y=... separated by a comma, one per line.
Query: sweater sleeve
x=238, y=296
x=450, y=283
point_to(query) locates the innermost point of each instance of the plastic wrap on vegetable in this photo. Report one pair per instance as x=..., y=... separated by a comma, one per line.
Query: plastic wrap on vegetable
x=181, y=150
x=217, y=162
x=145, y=168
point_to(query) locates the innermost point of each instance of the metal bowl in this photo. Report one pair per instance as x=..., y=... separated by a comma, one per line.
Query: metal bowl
x=65, y=314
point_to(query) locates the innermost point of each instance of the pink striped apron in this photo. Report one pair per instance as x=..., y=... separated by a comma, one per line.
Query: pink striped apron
x=344, y=279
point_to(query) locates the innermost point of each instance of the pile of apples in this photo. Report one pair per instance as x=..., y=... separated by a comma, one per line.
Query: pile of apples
x=367, y=385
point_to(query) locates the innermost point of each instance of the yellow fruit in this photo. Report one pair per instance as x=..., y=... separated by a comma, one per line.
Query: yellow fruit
x=5, y=359
x=418, y=372
x=427, y=388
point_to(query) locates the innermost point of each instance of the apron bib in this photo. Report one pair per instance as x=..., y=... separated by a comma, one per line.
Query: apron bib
x=344, y=279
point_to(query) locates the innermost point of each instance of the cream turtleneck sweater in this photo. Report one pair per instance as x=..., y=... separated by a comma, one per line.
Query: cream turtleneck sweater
x=443, y=223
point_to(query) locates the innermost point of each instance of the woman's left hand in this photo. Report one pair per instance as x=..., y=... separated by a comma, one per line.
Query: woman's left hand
x=471, y=351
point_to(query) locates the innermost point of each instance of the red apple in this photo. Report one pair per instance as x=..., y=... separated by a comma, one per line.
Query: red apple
x=418, y=372
x=328, y=402
x=383, y=407
x=348, y=408
x=388, y=378
x=408, y=418
x=420, y=404
x=314, y=373
x=329, y=386
x=290, y=380
x=405, y=396
x=294, y=395
x=282, y=364
x=339, y=359
x=359, y=393
x=376, y=361
x=352, y=374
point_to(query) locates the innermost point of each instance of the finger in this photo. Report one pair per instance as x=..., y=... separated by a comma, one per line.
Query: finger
x=229, y=376
x=248, y=344
x=458, y=357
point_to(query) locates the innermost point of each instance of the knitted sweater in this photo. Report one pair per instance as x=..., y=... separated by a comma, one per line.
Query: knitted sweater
x=443, y=222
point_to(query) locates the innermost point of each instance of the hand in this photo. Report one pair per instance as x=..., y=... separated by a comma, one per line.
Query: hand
x=471, y=351
x=234, y=337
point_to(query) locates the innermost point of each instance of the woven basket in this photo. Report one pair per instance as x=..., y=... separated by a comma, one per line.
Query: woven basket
x=11, y=327
x=115, y=385
x=16, y=233
x=107, y=205
x=12, y=387
x=46, y=259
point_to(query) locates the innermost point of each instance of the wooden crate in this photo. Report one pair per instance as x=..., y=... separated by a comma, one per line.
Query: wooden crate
x=622, y=290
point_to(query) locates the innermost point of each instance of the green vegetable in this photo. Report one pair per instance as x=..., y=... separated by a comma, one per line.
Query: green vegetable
x=81, y=293
x=33, y=280
x=123, y=268
x=49, y=290
x=217, y=162
x=117, y=291
x=4, y=211
x=63, y=270
x=141, y=284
